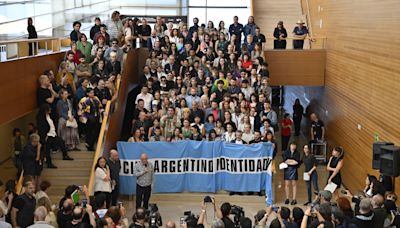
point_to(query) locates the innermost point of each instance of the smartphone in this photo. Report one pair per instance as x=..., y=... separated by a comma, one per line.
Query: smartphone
x=80, y=188
x=275, y=209
x=153, y=221
x=119, y=204
x=343, y=192
x=84, y=203
x=182, y=220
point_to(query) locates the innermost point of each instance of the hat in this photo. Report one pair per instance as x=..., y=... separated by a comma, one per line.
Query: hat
x=300, y=22
x=327, y=195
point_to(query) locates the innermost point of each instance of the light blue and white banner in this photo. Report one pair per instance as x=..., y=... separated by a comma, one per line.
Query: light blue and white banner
x=193, y=166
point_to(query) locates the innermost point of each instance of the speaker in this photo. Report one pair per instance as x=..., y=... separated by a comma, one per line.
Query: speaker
x=376, y=153
x=390, y=160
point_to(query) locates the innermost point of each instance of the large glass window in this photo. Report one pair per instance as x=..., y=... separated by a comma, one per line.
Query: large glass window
x=207, y=10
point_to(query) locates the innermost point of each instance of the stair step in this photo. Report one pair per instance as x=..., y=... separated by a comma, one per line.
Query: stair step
x=67, y=172
x=65, y=181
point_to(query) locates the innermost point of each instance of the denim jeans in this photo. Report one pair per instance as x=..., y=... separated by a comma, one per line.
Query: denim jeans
x=314, y=181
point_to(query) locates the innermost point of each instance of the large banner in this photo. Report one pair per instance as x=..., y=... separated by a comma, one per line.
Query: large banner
x=193, y=166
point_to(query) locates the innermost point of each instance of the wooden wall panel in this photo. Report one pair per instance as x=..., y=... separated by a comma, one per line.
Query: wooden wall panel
x=293, y=67
x=362, y=79
x=19, y=81
x=130, y=78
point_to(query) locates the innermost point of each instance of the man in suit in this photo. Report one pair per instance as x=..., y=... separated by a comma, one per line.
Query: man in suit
x=239, y=139
x=151, y=41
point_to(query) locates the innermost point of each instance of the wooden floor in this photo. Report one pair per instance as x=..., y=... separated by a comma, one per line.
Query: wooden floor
x=171, y=206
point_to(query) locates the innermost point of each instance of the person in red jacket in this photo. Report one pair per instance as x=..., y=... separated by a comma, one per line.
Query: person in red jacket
x=286, y=130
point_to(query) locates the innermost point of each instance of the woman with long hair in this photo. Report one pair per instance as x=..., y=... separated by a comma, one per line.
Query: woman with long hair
x=334, y=166
x=222, y=29
x=32, y=34
x=137, y=136
x=102, y=181
x=67, y=125
x=280, y=34
x=298, y=111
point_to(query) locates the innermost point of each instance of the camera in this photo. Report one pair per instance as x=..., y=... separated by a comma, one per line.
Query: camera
x=238, y=212
x=154, y=217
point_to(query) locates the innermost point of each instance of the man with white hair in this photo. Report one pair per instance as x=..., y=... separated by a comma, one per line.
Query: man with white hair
x=113, y=66
x=40, y=217
x=365, y=218
x=144, y=172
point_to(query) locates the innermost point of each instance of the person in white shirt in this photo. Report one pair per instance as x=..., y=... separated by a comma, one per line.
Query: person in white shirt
x=102, y=182
x=40, y=216
x=247, y=135
x=229, y=135
x=146, y=97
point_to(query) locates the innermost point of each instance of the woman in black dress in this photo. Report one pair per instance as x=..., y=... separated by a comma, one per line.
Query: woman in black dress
x=280, y=33
x=292, y=158
x=32, y=35
x=334, y=166
x=298, y=111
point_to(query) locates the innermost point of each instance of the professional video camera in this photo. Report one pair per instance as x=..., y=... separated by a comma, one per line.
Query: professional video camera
x=153, y=216
x=238, y=212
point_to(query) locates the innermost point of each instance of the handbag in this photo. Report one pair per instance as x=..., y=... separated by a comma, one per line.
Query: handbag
x=71, y=123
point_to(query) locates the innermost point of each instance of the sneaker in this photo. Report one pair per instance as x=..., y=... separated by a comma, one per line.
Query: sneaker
x=306, y=203
x=68, y=158
x=287, y=201
x=51, y=166
x=294, y=202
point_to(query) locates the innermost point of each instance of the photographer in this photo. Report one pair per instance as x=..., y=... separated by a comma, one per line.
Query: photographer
x=321, y=215
x=118, y=216
x=82, y=218
x=138, y=218
x=223, y=214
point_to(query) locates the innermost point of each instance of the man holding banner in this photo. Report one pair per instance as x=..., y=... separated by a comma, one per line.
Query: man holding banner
x=144, y=172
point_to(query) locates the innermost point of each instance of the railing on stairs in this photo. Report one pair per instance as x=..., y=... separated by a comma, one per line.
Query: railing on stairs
x=101, y=140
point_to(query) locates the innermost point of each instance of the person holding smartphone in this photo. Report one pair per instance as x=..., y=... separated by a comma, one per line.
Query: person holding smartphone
x=144, y=172
x=310, y=167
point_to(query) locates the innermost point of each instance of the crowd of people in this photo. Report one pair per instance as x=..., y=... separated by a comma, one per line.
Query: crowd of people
x=199, y=83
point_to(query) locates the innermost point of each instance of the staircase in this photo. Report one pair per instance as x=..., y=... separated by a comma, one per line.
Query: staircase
x=75, y=172
x=267, y=13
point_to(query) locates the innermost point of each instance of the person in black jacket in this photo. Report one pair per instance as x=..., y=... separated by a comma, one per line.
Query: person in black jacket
x=365, y=218
x=32, y=34
x=96, y=28
x=280, y=33
x=75, y=34
x=30, y=156
x=48, y=135
x=298, y=111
